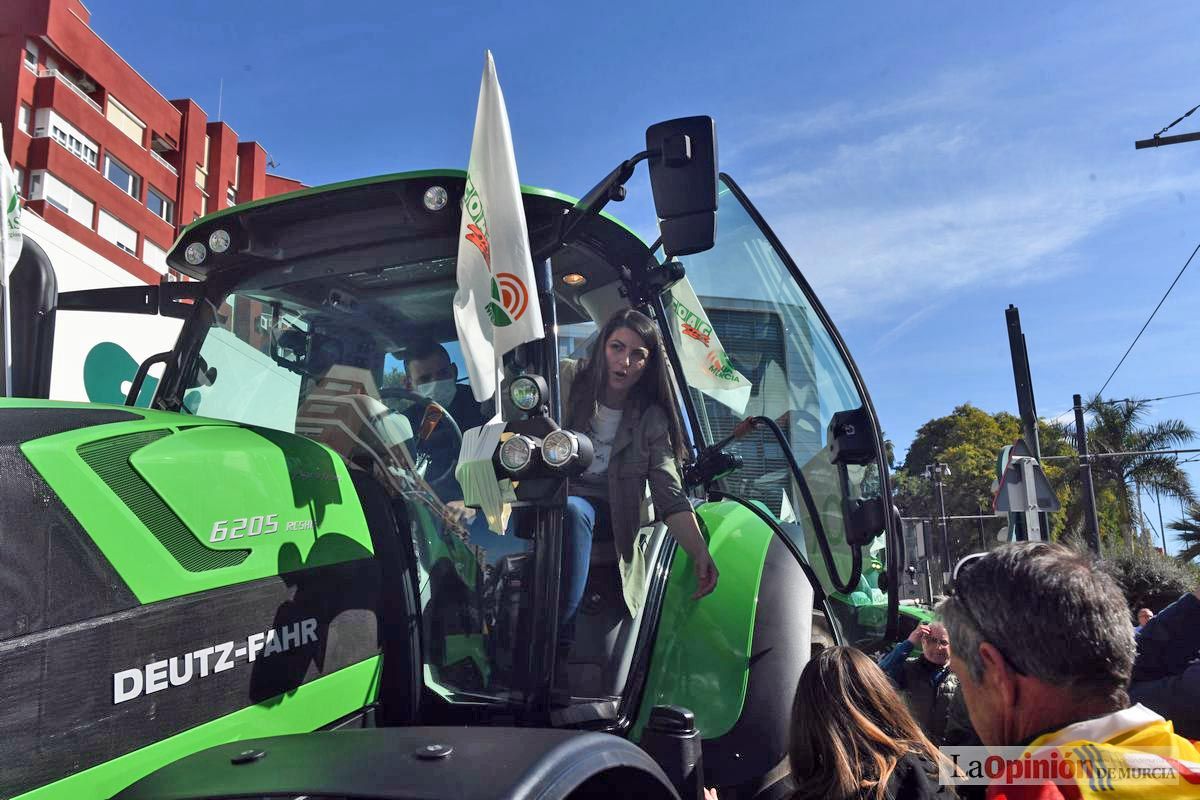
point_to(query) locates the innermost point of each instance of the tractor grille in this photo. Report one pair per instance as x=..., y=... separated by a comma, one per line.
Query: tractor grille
x=110, y=460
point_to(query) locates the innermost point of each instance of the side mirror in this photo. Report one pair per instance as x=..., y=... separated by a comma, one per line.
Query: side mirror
x=683, y=176
x=850, y=437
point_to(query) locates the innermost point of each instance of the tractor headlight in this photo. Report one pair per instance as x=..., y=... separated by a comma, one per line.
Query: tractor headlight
x=435, y=198
x=218, y=241
x=195, y=254
x=567, y=451
x=527, y=392
x=516, y=454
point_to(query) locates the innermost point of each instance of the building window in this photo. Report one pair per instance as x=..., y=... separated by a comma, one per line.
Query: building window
x=231, y=196
x=203, y=206
x=160, y=206
x=35, y=185
x=237, y=172
x=31, y=55
x=207, y=145
x=125, y=120
x=125, y=179
x=154, y=256
x=51, y=64
x=26, y=116
x=65, y=134
x=117, y=232
x=19, y=174
x=63, y=197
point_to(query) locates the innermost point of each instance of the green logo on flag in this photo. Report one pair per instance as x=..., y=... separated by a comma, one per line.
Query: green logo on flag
x=495, y=311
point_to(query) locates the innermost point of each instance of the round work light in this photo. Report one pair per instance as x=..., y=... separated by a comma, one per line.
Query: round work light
x=436, y=198
x=218, y=241
x=525, y=393
x=567, y=451
x=195, y=254
x=516, y=454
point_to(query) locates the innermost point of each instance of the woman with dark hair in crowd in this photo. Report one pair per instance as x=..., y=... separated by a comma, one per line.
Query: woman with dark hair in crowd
x=853, y=737
x=622, y=397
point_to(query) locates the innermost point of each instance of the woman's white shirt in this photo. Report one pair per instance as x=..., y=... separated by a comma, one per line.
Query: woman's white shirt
x=603, y=430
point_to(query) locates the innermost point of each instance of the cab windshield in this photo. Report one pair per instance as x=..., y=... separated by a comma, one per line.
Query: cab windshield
x=368, y=364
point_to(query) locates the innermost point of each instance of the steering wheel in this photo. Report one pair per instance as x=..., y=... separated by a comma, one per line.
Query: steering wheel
x=437, y=438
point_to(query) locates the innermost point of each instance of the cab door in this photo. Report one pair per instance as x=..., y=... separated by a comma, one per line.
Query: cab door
x=754, y=342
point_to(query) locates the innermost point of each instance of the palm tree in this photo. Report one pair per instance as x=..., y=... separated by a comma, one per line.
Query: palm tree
x=1188, y=529
x=1120, y=428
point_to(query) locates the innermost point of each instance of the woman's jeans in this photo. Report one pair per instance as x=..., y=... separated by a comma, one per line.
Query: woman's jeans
x=579, y=523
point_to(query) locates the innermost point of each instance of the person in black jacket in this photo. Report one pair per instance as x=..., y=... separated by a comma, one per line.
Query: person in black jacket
x=853, y=738
x=1166, y=671
x=929, y=687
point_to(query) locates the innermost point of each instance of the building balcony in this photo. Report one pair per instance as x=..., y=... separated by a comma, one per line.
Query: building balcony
x=165, y=163
x=59, y=76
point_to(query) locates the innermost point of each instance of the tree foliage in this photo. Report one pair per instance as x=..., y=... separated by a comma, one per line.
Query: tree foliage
x=969, y=441
x=1121, y=430
x=1150, y=579
x=1188, y=529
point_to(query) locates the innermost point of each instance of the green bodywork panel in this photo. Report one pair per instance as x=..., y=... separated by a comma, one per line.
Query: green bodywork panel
x=701, y=656
x=309, y=707
x=154, y=493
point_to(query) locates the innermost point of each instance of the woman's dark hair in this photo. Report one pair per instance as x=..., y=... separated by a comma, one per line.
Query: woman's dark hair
x=850, y=728
x=655, y=387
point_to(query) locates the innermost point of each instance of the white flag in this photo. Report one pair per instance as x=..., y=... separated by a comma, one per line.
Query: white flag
x=496, y=305
x=706, y=365
x=10, y=220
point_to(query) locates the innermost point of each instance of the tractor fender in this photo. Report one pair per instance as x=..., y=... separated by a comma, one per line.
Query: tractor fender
x=431, y=762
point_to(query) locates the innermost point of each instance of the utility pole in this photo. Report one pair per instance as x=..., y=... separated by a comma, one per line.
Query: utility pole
x=1091, y=523
x=1026, y=406
x=1161, y=530
x=937, y=471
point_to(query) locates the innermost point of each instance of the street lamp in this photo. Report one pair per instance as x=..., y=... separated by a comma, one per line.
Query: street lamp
x=936, y=472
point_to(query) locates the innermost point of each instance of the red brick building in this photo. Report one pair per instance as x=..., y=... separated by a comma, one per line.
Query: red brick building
x=103, y=157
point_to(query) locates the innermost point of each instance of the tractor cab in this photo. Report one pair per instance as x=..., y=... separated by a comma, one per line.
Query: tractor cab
x=305, y=437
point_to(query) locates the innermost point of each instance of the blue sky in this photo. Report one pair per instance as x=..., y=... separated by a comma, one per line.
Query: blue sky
x=925, y=163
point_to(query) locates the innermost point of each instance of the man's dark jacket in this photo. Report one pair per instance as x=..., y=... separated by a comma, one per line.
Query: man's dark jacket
x=933, y=696
x=1166, y=673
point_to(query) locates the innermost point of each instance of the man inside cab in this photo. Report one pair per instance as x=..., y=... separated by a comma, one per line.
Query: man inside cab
x=429, y=372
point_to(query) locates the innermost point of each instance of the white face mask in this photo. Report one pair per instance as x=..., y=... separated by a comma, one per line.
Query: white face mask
x=440, y=392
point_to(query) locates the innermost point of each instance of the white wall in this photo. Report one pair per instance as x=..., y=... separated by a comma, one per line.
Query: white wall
x=106, y=337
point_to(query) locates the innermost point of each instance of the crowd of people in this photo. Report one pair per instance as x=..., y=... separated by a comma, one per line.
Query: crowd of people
x=1046, y=669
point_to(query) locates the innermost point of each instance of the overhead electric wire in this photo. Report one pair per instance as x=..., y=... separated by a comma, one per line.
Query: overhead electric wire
x=1176, y=122
x=1152, y=313
x=1149, y=399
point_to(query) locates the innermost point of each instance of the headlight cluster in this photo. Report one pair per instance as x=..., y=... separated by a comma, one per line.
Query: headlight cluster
x=218, y=242
x=559, y=453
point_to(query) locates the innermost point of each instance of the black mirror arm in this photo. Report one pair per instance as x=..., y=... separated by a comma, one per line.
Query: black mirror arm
x=612, y=187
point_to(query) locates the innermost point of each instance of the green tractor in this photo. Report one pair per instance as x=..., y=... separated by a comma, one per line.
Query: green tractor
x=278, y=545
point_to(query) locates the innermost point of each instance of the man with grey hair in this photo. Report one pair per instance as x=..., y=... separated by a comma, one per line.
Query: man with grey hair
x=1044, y=653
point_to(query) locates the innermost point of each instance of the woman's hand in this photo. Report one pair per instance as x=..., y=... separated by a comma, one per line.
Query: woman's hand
x=706, y=575
x=683, y=526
